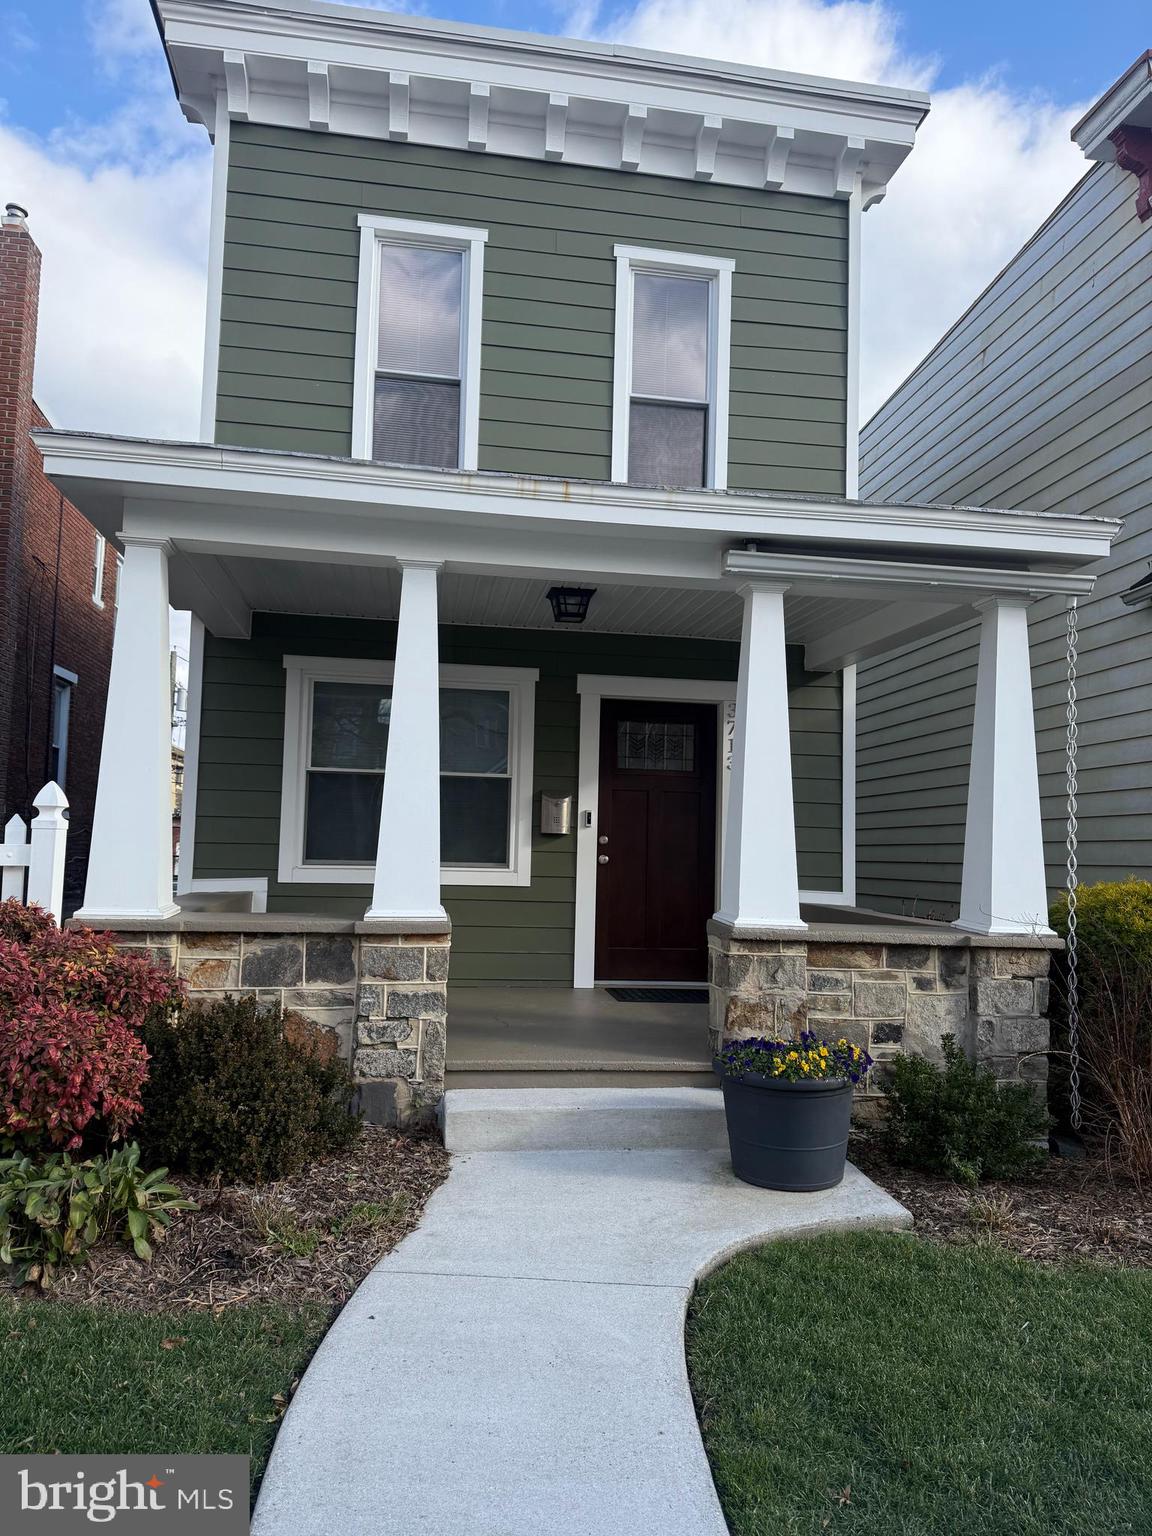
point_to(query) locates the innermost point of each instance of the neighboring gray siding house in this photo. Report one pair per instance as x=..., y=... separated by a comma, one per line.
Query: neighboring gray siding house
x=1040, y=396
x=527, y=566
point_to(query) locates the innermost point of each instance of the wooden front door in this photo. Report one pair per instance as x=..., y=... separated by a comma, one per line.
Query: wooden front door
x=656, y=875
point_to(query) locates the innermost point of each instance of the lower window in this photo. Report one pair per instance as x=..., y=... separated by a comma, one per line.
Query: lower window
x=334, y=779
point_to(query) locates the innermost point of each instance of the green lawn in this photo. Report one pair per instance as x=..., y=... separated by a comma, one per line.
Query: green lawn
x=79, y=1378
x=878, y=1385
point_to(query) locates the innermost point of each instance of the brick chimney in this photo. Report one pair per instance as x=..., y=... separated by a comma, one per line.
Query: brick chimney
x=19, y=304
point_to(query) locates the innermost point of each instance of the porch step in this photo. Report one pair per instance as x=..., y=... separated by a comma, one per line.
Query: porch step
x=470, y=1077
x=581, y=1119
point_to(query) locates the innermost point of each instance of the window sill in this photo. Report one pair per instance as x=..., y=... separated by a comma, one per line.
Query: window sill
x=361, y=874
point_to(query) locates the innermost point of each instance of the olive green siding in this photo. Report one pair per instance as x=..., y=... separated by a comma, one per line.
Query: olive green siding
x=289, y=296
x=509, y=935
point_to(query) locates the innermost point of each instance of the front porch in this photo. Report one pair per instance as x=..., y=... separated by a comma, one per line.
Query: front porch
x=407, y=770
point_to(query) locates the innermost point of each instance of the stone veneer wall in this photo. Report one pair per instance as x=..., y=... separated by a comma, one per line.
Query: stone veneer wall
x=383, y=995
x=888, y=996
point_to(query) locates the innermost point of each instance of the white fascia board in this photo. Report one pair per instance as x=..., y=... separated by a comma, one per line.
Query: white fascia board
x=102, y=473
x=285, y=45
x=1128, y=102
x=811, y=573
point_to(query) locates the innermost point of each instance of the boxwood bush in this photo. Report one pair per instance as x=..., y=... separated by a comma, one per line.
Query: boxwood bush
x=243, y=1091
x=959, y=1120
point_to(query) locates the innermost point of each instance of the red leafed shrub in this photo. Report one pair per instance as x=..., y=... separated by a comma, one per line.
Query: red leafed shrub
x=71, y=1007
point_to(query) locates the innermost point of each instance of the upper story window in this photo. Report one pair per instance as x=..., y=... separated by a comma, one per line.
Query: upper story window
x=417, y=391
x=98, y=548
x=670, y=378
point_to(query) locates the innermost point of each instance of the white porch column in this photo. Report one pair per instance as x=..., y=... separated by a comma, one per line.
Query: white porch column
x=1003, y=888
x=130, y=859
x=759, y=885
x=407, y=882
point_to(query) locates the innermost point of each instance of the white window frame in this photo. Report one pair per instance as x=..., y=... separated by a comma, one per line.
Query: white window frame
x=631, y=259
x=61, y=675
x=376, y=230
x=303, y=671
x=119, y=573
x=99, y=551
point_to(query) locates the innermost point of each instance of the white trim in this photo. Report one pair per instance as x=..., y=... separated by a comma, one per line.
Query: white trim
x=303, y=670
x=99, y=555
x=374, y=229
x=718, y=272
x=716, y=119
x=100, y=473
x=187, y=861
x=254, y=885
x=847, y=894
x=593, y=689
x=210, y=382
x=1002, y=883
x=852, y=381
x=760, y=882
x=66, y=675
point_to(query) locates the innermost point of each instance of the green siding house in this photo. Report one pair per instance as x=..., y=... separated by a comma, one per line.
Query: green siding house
x=528, y=567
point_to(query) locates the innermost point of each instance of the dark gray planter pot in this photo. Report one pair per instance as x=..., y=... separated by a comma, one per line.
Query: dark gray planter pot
x=787, y=1135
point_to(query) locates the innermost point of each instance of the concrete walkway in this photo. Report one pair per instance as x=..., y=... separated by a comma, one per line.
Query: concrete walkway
x=516, y=1367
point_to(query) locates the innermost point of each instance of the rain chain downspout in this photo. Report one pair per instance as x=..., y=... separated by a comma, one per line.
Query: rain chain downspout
x=1072, y=884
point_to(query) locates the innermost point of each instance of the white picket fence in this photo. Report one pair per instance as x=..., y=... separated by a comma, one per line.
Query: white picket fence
x=33, y=870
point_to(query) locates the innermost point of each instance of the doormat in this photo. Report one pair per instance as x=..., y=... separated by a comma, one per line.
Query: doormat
x=658, y=994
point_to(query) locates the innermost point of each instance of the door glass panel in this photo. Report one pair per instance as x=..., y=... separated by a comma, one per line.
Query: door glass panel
x=656, y=746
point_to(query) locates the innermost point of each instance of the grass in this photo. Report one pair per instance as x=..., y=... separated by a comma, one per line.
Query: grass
x=877, y=1385
x=80, y=1378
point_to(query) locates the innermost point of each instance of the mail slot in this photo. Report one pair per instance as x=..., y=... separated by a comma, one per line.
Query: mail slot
x=555, y=815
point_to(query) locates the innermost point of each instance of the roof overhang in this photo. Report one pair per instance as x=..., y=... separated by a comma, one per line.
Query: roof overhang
x=1128, y=103
x=344, y=69
x=105, y=475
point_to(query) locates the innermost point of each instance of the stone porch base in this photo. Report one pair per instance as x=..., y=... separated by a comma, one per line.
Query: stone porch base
x=888, y=990
x=383, y=992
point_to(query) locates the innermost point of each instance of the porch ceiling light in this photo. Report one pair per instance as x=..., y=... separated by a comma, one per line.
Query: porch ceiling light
x=570, y=604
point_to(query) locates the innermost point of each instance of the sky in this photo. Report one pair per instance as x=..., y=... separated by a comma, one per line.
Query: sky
x=116, y=182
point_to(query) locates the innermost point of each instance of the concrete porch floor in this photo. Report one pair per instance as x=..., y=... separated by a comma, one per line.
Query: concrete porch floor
x=502, y=1036
x=541, y=1037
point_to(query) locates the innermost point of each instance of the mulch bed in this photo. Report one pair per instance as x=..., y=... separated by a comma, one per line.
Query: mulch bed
x=1071, y=1209
x=310, y=1238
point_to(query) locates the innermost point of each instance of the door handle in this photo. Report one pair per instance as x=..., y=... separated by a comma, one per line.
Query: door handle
x=603, y=859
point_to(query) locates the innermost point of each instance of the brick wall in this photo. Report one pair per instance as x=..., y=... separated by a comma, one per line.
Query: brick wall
x=47, y=616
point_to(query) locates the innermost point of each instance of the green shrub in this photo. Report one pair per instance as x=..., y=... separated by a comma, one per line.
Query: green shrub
x=243, y=1091
x=1114, y=924
x=960, y=1121
x=1112, y=918
x=54, y=1210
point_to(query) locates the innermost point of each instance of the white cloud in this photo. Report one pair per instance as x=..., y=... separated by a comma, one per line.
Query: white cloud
x=119, y=208
x=988, y=166
x=122, y=291
x=121, y=29
x=850, y=40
